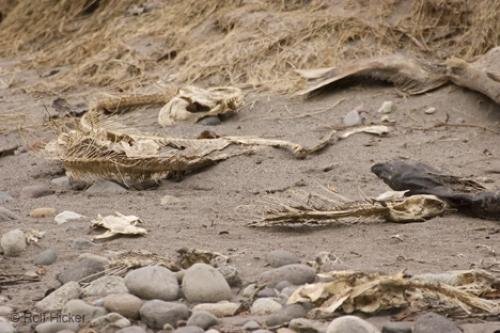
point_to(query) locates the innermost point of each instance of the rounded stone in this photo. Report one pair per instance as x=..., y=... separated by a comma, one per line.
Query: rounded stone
x=157, y=313
x=43, y=212
x=125, y=304
x=189, y=329
x=77, y=307
x=153, y=282
x=432, y=322
x=45, y=258
x=351, y=324
x=55, y=326
x=6, y=327
x=203, y=283
x=280, y=258
x=106, y=285
x=132, y=329
x=296, y=274
x=251, y=325
x=13, y=243
x=202, y=319
x=265, y=306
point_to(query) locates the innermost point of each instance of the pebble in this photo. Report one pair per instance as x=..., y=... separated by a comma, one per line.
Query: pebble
x=81, y=244
x=153, y=282
x=13, y=243
x=202, y=319
x=105, y=186
x=6, y=327
x=352, y=118
x=7, y=215
x=307, y=325
x=296, y=274
x=251, y=325
x=262, y=331
x=35, y=191
x=109, y=322
x=83, y=268
x=62, y=182
x=210, y=121
x=265, y=306
x=157, y=313
x=67, y=216
x=56, y=300
x=106, y=285
x=132, y=329
x=212, y=331
x=5, y=311
x=55, y=326
x=45, y=258
x=387, y=107
x=77, y=307
x=231, y=275
x=125, y=304
x=250, y=290
x=220, y=309
x=189, y=329
x=286, y=314
x=202, y=283
x=288, y=291
x=430, y=110
x=282, y=285
x=5, y=197
x=43, y=212
x=434, y=323
x=351, y=324
x=267, y=292
x=279, y=258
x=397, y=327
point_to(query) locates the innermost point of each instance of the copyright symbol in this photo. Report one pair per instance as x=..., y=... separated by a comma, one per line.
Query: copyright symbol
x=15, y=317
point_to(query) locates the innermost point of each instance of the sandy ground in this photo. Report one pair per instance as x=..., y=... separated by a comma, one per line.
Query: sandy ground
x=215, y=203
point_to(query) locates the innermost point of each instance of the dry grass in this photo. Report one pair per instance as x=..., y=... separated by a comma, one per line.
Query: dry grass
x=241, y=42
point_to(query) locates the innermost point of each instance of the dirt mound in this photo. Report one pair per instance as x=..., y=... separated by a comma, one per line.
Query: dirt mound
x=124, y=44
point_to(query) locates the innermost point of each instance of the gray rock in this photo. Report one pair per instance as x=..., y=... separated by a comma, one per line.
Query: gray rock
x=35, y=191
x=251, y=325
x=7, y=215
x=352, y=118
x=351, y=324
x=81, y=244
x=61, y=182
x=296, y=274
x=55, y=326
x=280, y=258
x=45, y=258
x=250, y=290
x=13, y=243
x=81, y=269
x=282, y=285
x=87, y=312
x=288, y=291
x=265, y=306
x=153, y=282
x=109, y=322
x=106, y=285
x=105, y=186
x=485, y=327
x=203, y=283
x=66, y=331
x=189, y=329
x=157, y=313
x=210, y=121
x=5, y=197
x=132, y=329
x=231, y=275
x=6, y=327
x=262, y=331
x=56, y=300
x=221, y=309
x=397, y=327
x=286, y=314
x=267, y=292
x=434, y=323
x=125, y=304
x=203, y=319
x=5, y=310
x=307, y=325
